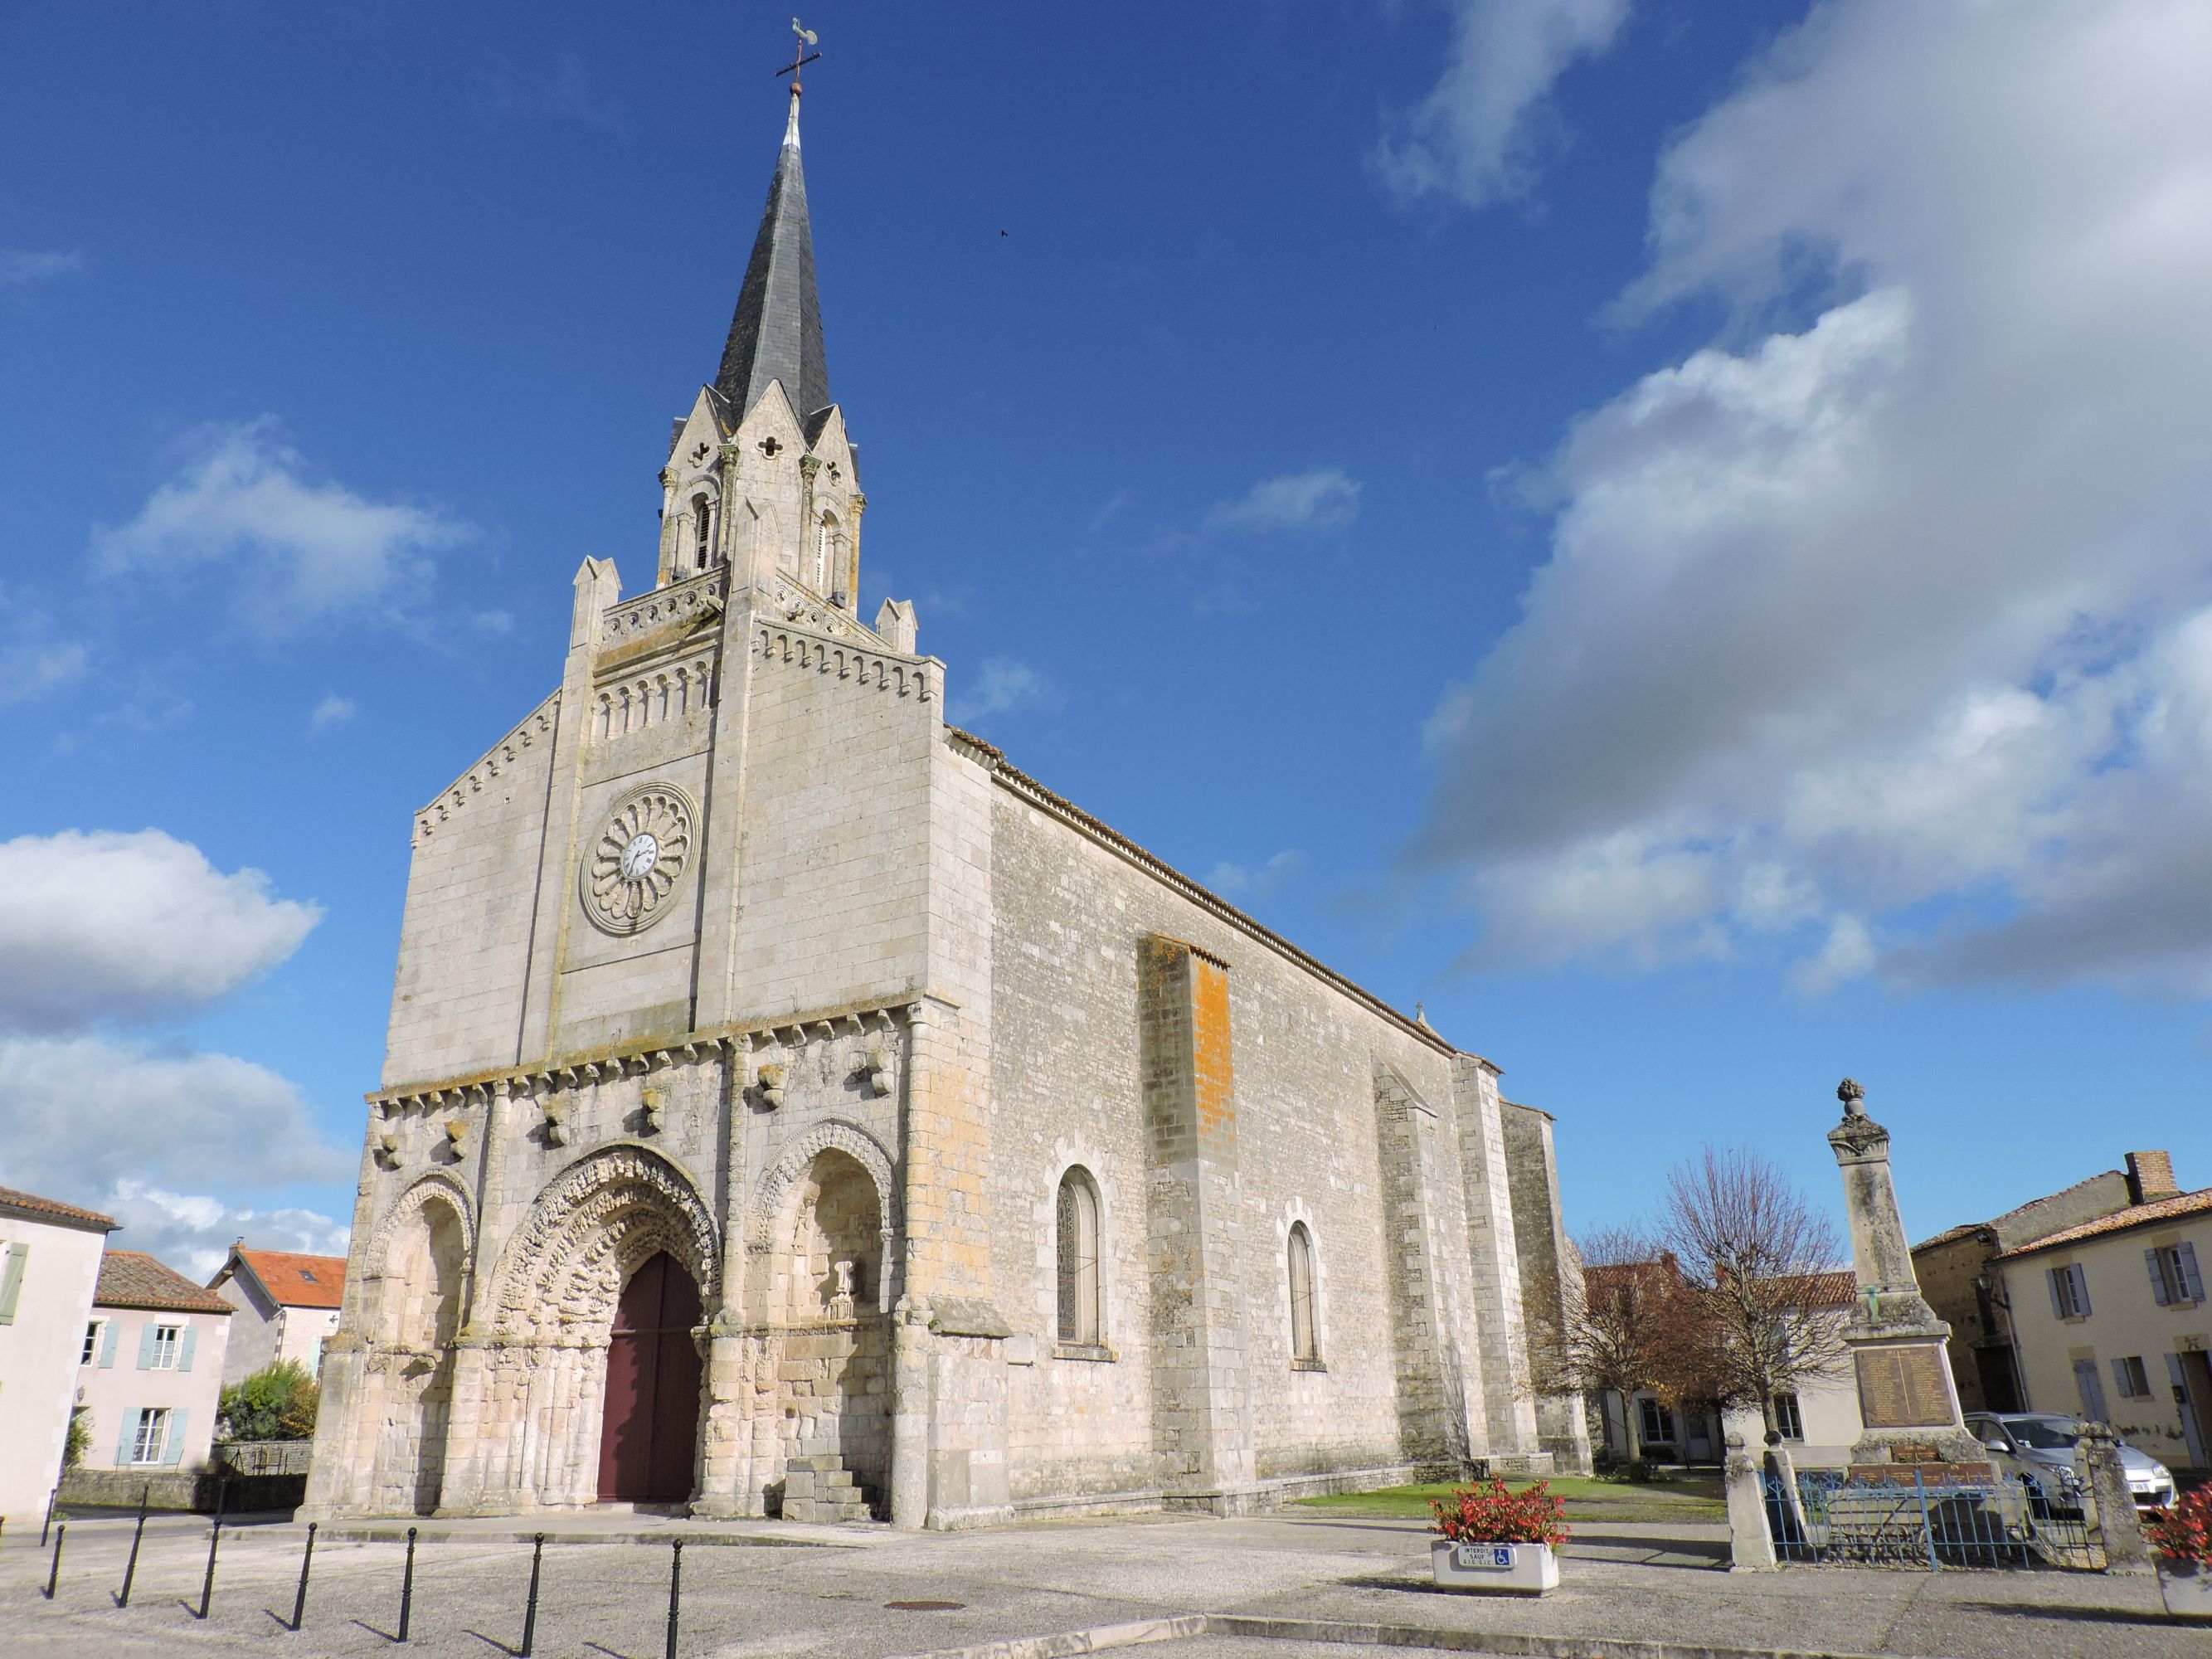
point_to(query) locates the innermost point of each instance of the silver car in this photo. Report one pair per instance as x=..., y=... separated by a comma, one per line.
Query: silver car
x=2044, y=1442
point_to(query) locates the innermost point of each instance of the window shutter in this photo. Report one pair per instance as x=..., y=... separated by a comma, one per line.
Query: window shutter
x=146, y=1346
x=107, y=1346
x=11, y=1281
x=184, y=1353
x=175, y=1453
x=2192, y=1285
x=2157, y=1277
x=125, y=1446
x=2058, y=1302
x=2120, y=1379
x=2092, y=1389
x=2080, y=1289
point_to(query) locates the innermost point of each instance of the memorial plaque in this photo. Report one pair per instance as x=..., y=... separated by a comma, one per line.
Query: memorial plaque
x=1902, y=1387
x=1914, y=1451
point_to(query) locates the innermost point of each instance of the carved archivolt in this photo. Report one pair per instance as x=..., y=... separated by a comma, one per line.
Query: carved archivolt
x=591, y=1227
x=430, y=1187
x=857, y=1144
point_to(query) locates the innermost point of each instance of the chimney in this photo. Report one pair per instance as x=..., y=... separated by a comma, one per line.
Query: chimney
x=2150, y=1177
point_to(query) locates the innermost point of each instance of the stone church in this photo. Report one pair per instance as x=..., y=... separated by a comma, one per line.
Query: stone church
x=790, y=1106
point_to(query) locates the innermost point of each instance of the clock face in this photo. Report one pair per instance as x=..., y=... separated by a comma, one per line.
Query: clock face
x=641, y=853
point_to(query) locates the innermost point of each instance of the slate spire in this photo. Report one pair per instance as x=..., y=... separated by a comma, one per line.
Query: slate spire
x=776, y=334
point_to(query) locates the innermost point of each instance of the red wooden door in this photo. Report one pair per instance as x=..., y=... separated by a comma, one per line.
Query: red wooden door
x=651, y=1423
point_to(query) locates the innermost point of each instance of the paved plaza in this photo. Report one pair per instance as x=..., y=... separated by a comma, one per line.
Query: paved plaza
x=754, y=1590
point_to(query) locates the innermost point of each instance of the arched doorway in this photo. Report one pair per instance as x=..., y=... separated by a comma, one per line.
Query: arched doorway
x=649, y=1436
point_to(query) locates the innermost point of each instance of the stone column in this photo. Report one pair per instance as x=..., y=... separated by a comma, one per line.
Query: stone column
x=2111, y=1505
x=598, y=587
x=1908, y=1403
x=1751, y=1546
x=1200, y=1324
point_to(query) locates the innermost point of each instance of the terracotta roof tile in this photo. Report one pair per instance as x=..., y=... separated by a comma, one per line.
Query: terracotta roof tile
x=54, y=1210
x=132, y=1279
x=297, y=1281
x=2135, y=1215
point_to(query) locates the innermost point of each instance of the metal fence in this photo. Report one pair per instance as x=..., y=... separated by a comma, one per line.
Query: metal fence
x=1832, y=1520
x=266, y=1457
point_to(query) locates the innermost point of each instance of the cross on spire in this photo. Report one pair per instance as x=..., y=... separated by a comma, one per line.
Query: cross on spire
x=800, y=58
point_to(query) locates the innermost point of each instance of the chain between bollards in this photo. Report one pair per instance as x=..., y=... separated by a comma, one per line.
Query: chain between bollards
x=54, y=1572
x=215, y=1537
x=407, y=1587
x=675, y=1590
x=130, y=1568
x=306, y=1561
x=530, y=1607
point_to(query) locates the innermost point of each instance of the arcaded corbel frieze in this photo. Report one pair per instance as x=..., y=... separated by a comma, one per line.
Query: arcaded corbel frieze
x=540, y=722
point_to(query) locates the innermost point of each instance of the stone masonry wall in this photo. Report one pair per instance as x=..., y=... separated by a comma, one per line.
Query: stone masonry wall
x=465, y=934
x=1069, y=914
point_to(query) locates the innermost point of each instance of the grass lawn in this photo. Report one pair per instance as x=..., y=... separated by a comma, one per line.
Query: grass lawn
x=1686, y=1498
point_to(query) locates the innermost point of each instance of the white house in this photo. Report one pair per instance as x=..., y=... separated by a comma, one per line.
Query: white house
x=286, y=1306
x=149, y=1368
x=48, y=1263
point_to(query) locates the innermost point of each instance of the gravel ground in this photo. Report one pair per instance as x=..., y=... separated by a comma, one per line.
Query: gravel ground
x=789, y=1589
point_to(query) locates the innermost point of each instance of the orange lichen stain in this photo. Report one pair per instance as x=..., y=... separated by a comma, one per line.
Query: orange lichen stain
x=1212, y=1074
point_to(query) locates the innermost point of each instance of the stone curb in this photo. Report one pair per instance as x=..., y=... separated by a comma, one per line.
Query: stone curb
x=1516, y=1644
x=1094, y=1640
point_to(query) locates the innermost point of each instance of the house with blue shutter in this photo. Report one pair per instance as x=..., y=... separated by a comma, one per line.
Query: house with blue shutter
x=2096, y=1295
x=149, y=1372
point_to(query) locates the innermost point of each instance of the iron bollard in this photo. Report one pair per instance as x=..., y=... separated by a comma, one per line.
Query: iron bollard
x=215, y=1537
x=54, y=1572
x=675, y=1590
x=130, y=1568
x=530, y=1607
x=52, y=1498
x=407, y=1587
x=206, y=1584
x=306, y=1561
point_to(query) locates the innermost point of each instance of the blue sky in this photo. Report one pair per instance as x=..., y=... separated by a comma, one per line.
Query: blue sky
x=1671, y=534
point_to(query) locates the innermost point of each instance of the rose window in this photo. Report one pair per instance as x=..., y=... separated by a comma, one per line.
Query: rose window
x=640, y=858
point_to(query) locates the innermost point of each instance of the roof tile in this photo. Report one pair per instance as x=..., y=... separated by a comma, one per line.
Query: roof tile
x=132, y=1279
x=55, y=1210
x=297, y=1281
x=2135, y=1215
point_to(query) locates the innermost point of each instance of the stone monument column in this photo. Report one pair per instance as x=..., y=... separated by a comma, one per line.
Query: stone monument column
x=1908, y=1406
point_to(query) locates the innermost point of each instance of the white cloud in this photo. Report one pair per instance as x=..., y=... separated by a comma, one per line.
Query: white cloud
x=332, y=710
x=303, y=549
x=1478, y=134
x=98, y=1122
x=1258, y=881
x=1894, y=625
x=193, y=1233
x=29, y=669
x=20, y=265
x=98, y=925
x=1003, y=686
x=1324, y=499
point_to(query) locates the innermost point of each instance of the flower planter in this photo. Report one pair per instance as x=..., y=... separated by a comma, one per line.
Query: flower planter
x=1494, y=1569
x=2186, y=1586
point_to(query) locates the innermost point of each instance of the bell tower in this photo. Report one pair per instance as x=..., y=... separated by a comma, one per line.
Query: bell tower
x=761, y=476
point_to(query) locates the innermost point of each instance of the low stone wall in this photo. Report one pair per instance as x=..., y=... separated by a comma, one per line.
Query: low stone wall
x=180, y=1490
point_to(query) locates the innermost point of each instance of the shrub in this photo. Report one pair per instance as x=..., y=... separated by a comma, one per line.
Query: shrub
x=1641, y=1472
x=80, y=1438
x=278, y=1403
x=2184, y=1531
x=1489, y=1514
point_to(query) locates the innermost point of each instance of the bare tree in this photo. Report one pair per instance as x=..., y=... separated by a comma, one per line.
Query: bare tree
x=1607, y=1329
x=1768, y=1291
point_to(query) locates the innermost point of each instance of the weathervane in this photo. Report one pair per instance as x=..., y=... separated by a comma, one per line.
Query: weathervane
x=800, y=58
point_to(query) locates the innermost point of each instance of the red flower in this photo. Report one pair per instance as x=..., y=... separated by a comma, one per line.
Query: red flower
x=2185, y=1531
x=1489, y=1514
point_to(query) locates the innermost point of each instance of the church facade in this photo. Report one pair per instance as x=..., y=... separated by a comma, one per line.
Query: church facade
x=791, y=1107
